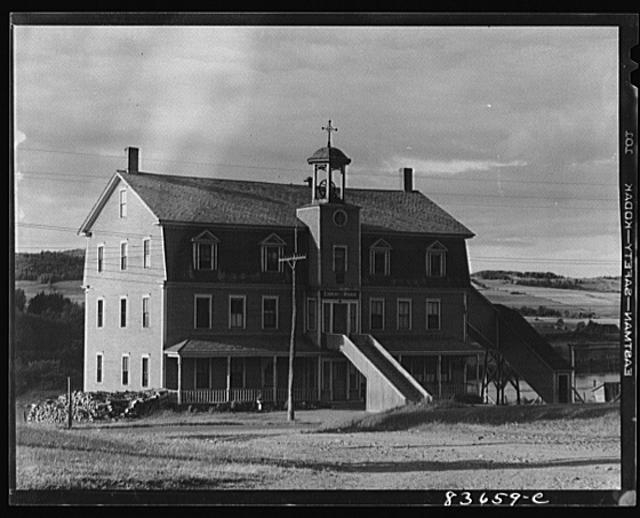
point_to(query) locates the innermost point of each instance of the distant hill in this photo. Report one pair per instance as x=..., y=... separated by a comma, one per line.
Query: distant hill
x=548, y=280
x=48, y=266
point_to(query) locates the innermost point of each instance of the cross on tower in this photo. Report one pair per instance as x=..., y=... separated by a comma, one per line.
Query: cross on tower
x=329, y=128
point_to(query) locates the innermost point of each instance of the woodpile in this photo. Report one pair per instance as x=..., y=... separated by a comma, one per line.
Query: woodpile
x=96, y=406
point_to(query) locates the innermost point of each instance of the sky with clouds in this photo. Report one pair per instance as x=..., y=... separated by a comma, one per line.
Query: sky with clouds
x=513, y=130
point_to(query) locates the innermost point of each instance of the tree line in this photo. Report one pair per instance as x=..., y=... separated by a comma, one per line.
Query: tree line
x=47, y=267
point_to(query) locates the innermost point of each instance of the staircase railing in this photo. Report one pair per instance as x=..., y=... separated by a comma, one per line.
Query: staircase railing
x=524, y=339
x=398, y=366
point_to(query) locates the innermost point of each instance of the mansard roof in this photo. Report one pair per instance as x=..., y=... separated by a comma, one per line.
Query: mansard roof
x=199, y=200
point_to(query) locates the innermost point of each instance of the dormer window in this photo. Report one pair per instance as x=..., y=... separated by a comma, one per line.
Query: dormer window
x=380, y=258
x=271, y=252
x=205, y=251
x=436, y=260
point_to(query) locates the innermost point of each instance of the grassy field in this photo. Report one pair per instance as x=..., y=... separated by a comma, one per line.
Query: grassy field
x=604, y=304
x=70, y=289
x=517, y=448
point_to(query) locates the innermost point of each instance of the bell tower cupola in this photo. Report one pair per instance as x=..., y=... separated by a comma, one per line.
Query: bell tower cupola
x=328, y=180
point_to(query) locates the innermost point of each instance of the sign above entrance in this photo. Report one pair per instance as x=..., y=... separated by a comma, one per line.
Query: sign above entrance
x=332, y=294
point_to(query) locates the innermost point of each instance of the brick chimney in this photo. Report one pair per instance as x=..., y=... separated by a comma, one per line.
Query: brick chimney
x=407, y=178
x=132, y=160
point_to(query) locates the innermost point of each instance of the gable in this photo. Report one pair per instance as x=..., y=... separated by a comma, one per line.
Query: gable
x=273, y=240
x=437, y=247
x=205, y=237
x=381, y=243
x=111, y=195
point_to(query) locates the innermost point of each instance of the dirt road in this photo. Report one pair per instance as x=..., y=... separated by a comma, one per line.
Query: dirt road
x=265, y=452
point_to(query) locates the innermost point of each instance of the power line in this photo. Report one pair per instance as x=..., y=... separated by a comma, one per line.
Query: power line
x=373, y=172
x=564, y=199
x=68, y=178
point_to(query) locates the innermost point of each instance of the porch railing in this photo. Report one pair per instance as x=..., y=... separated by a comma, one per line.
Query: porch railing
x=246, y=395
x=449, y=389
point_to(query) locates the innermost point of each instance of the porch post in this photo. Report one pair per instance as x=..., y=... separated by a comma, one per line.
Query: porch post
x=464, y=375
x=210, y=373
x=228, y=378
x=478, y=371
x=319, y=377
x=179, y=379
x=348, y=369
x=275, y=380
x=439, y=373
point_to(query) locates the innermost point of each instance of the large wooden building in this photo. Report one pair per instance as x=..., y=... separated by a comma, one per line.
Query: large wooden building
x=186, y=288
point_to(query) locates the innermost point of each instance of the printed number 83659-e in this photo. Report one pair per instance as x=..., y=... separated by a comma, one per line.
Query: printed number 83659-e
x=499, y=498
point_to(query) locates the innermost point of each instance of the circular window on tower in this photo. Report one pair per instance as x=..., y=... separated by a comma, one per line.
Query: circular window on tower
x=340, y=218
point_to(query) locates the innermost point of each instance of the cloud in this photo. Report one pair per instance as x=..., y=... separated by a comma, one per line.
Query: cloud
x=477, y=111
x=454, y=166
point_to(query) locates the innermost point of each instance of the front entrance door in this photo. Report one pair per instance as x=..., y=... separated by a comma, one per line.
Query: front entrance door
x=340, y=319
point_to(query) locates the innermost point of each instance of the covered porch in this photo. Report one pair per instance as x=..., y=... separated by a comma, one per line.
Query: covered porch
x=446, y=368
x=242, y=369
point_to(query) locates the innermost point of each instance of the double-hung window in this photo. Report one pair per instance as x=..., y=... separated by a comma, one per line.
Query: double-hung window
x=270, y=253
x=146, y=253
x=100, y=313
x=123, y=311
x=270, y=312
x=433, y=314
x=99, y=360
x=376, y=314
x=237, y=315
x=124, y=252
x=145, y=371
x=339, y=262
x=123, y=203
x=205, y=251
x=380, y=258
x=125, y=369
x=100, y=264
x=404, y=314
x=202, y=311
x=145, y=311
x=436, y=260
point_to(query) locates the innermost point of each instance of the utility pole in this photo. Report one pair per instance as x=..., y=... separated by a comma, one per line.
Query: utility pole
x=69, y=404
x=292, y=262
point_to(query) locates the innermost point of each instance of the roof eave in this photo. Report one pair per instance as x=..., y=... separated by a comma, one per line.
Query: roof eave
x=99, y=204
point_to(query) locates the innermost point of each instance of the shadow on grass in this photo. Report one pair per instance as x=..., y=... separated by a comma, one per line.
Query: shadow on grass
x=419, y=414
x=243, y=437
x=430, y=446
x=357, y=467
x=160, y=424
x=459, y=465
